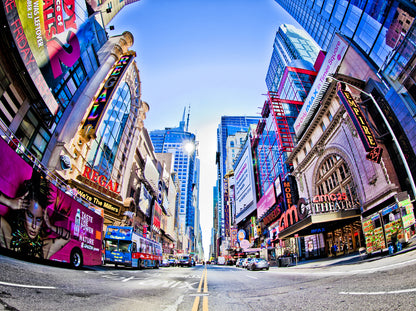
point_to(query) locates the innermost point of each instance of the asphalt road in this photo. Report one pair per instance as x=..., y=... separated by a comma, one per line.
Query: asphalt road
x=384, y=284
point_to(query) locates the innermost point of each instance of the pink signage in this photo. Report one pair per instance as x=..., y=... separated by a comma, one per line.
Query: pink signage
x=266, y=201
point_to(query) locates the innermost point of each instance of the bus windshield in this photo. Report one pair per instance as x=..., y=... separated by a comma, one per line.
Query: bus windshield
x=117, y=246
x=123, y=246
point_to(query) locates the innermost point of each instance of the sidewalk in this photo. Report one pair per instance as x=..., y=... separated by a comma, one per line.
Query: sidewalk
x=353, y=258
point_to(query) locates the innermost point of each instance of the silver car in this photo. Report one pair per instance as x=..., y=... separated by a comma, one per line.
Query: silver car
x=258, y=264
x=246, y=262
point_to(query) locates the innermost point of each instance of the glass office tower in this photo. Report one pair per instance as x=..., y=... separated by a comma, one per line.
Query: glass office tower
x=290, y=44
x=181, y=144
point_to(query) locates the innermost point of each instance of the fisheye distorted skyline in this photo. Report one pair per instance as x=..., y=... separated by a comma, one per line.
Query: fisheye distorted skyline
x=210, y=55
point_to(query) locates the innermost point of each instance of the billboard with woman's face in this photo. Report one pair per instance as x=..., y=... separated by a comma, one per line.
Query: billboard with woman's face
x=39, y=220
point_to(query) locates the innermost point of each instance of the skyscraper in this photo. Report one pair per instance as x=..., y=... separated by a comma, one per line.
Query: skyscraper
x=290, y=44
x=182, y=144
x=383, y=31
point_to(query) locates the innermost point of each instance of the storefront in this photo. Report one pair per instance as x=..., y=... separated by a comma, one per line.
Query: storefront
x=395, y=223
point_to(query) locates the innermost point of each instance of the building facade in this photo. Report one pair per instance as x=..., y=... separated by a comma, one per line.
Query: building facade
x=384, y=33
x=229, y=126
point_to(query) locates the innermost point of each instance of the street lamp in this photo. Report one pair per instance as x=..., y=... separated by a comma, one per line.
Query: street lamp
x=396, y=142
x=189, y=147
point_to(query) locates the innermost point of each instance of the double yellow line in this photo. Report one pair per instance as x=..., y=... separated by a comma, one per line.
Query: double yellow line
x=205, y=294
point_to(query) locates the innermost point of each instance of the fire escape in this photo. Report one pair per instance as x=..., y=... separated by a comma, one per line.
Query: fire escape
x=284, y=139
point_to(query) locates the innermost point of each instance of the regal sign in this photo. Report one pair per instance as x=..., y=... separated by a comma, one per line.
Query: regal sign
x=100, y=182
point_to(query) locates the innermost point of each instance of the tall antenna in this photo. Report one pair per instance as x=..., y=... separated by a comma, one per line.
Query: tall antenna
x=187, y=121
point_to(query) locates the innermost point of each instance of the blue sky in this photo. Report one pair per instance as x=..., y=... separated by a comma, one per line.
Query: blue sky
x=211, y=55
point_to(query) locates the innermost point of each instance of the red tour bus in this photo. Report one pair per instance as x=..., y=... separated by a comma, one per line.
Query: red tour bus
x=39, y=220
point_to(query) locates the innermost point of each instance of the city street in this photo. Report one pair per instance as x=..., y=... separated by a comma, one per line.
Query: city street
x=380, y=284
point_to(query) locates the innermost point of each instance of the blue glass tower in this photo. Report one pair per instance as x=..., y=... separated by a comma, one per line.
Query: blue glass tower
x=181, y=144
x=290, y=44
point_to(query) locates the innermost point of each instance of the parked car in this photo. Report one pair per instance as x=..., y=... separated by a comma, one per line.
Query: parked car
x=173, y=262
x=258, y=264
x=246, y=262
x=239, y=262
x=164, y=263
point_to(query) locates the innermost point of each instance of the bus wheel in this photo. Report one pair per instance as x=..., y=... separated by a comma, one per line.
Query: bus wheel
x=76, y=258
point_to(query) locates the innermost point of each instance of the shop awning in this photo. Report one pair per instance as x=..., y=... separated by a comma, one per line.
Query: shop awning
x=251, y=250
x=315, y=222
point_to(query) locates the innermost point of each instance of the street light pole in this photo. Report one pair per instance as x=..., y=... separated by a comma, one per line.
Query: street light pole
x=396, y=142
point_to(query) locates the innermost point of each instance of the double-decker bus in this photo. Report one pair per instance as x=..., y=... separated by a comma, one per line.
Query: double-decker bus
x=125, y=247
x=38, y=219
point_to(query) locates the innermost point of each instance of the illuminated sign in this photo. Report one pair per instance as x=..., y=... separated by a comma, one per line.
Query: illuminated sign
x=226, y=208
x=273, y=215
x=100, y=103
x=266, y=201
x=290, y=191
x=360, y=122
x=294, y=214
x=330, y=197
x=157, y=215
x=358, y=119
x=99, y=202
x=100, y=180
x=331, y=62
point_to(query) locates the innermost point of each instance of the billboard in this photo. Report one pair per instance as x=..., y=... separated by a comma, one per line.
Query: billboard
x=39, y=220
x=245, y=195
x=266, y=201
x=51, y=36
x=332, y=60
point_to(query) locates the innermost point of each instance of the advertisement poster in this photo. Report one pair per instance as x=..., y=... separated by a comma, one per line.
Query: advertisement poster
x=40, y=220
x=244, y=185
x=51, y=36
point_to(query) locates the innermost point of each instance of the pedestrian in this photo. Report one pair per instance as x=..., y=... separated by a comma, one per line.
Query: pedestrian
x=334, y=249
x=394, y=241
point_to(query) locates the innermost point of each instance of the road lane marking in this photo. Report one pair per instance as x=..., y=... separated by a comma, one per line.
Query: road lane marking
x=205, y=298
x=252, y=277
x=27, y=286
x=204, y=281
x=401, y=291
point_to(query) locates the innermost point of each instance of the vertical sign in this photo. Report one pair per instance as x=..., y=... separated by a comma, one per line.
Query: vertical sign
x=226, y=208
x=101, y=102
x=364, y=131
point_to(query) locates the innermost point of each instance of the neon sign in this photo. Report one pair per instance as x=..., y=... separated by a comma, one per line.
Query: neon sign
x=100, y=180
x=360, y=122
x=330, y=197
x=100, y=103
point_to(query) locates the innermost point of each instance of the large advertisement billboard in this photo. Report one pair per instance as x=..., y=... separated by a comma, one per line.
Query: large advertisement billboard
x=332, y=59
x=40, y=220
x=245, y=196
x=51, y=36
